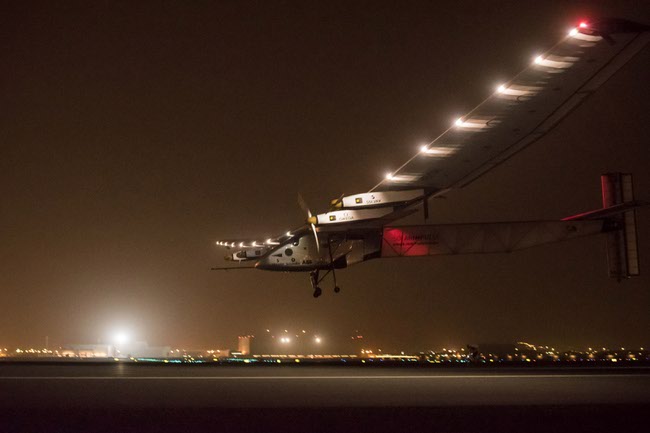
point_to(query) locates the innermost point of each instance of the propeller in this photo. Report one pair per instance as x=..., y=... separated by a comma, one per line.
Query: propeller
x=311, y=220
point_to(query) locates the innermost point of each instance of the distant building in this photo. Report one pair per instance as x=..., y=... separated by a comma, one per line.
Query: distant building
x=139, y=349
x=88, y=351
x=244, y=344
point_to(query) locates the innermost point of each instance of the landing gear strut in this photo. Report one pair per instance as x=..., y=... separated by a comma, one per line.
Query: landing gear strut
x=313, y=277
x=329, y=248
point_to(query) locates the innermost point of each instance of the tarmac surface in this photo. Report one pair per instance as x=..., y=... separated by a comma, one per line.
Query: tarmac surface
x=145, y=397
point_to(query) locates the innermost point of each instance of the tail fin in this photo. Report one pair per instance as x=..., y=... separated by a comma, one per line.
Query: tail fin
x=622, y=248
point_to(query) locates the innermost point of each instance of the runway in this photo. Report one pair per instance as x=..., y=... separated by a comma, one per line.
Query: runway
x=320, y=398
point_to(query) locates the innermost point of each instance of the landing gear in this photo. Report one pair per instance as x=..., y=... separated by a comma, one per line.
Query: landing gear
x=315, y=279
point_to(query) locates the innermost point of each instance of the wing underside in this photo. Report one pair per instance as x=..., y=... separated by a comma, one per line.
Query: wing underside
x=523, y=109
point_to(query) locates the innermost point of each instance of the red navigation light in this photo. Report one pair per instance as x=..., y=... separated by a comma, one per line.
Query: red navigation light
x=583, y=25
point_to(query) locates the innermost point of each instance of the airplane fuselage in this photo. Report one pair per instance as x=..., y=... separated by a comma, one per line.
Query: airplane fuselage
x=298, y=255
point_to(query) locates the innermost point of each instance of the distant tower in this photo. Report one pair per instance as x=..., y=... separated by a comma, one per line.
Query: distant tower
x=244, y=345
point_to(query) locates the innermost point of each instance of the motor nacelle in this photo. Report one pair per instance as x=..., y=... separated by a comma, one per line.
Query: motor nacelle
x=347, y=216
x=377, y=199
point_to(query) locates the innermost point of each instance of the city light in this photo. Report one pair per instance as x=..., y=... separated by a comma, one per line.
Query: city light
x=521, y=352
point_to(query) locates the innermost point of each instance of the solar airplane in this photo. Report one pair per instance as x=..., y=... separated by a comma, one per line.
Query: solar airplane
x=362, y=226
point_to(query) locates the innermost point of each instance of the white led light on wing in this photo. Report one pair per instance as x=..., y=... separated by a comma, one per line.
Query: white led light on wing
x=436, y=151
x=517, y=90
x=584, y=37
x=557, y=62
x=475, y=124
x=403, y=178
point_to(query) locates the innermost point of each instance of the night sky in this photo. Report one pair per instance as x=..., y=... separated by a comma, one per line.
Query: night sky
x=134, y=136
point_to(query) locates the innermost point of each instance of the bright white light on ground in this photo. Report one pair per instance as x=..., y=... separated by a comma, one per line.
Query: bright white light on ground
x=539, y=59
x=501, y=88
x=389, y=176
x=573, y=32
x=121, y=338
x=317, y=340
x=424, y=148
x=459, y=121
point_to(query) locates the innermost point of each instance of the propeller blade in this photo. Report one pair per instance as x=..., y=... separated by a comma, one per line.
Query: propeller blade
x=303, y=205
x=305, y=208
x=313, y=229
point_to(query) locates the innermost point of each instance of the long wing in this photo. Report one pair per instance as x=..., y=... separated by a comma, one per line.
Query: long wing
x=523, y=109
x=516, y=115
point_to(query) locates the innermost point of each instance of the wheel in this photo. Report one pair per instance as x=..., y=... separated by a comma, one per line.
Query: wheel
x=337, y=289
x=317, y=292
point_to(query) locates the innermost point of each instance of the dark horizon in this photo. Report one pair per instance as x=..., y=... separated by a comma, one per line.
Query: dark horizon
x=134, y=136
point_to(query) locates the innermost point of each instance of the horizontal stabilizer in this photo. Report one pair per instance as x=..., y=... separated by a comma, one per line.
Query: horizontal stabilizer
x=607, y=212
